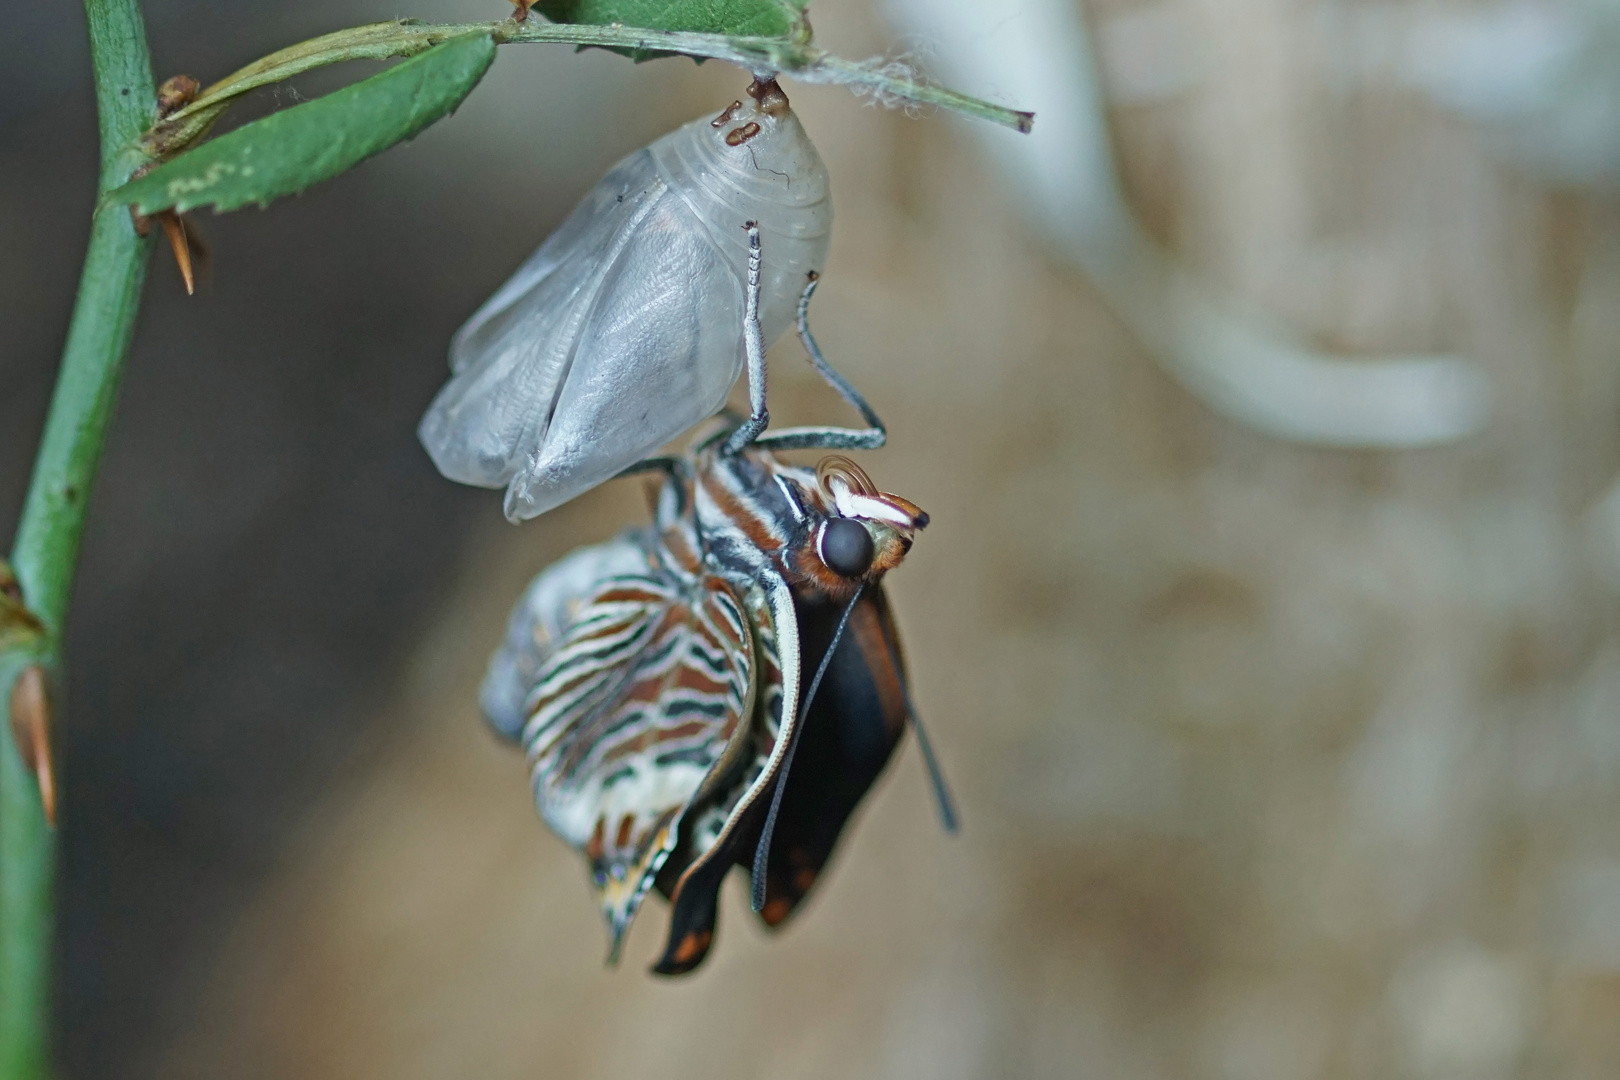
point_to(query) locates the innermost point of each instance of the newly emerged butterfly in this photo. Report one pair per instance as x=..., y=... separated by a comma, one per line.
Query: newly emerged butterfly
x=665, y=682
x=619, y=333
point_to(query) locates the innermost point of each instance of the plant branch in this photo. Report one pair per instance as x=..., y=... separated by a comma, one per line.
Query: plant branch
x=47, y=544
x=380, y=41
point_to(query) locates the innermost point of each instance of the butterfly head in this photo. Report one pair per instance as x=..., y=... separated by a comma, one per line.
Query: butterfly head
x=864, y=534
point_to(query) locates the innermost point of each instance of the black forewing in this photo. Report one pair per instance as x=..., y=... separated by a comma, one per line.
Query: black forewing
x=854, y=723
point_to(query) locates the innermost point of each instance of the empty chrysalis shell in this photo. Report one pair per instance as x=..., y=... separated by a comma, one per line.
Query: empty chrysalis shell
x=626, y=327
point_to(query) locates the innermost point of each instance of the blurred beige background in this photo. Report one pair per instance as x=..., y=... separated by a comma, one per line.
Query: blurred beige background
x=1276, y=762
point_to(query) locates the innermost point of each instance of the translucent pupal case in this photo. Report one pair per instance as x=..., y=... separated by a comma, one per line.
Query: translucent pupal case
x=626, y=327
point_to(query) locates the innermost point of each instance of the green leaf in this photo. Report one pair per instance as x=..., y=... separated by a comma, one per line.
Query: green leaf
x=737, y=18
x=288, y=151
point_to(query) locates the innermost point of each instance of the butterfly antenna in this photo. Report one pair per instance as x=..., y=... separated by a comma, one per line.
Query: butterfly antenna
x=942, y=790
x=762, y=853
x=936, y=775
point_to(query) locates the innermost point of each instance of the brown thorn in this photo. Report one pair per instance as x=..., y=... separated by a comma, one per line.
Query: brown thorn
x=185, y=241
x=202, y=254
x=176, y=93
x=175, y=228
x=31, y=728
x=522, y=12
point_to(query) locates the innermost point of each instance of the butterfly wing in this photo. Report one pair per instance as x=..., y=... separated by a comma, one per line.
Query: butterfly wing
x=728, y=822
x=850, y=731
x=541, y=617
x=853, y=725
x=637, y=714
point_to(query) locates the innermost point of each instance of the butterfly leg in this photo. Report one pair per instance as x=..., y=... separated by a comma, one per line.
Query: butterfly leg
x=830, y=438
x=754, y=346
x=676, y=489
x=674, y=467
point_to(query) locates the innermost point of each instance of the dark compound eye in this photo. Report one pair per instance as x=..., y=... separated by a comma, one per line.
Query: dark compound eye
x=846, y=547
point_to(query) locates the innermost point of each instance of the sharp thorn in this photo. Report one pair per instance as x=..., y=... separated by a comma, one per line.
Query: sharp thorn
x=174, y=227
x=31, y=728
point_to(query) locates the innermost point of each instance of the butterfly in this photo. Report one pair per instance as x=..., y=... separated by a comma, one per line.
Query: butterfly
x=723, y=686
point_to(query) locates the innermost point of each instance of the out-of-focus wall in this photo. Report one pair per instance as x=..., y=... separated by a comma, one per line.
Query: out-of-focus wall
x=1275, y=762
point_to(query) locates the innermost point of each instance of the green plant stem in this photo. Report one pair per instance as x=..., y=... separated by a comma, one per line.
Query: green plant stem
x=47, y=544
x=379, y=41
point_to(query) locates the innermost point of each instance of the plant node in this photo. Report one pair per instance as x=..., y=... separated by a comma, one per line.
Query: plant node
x=176, y=92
